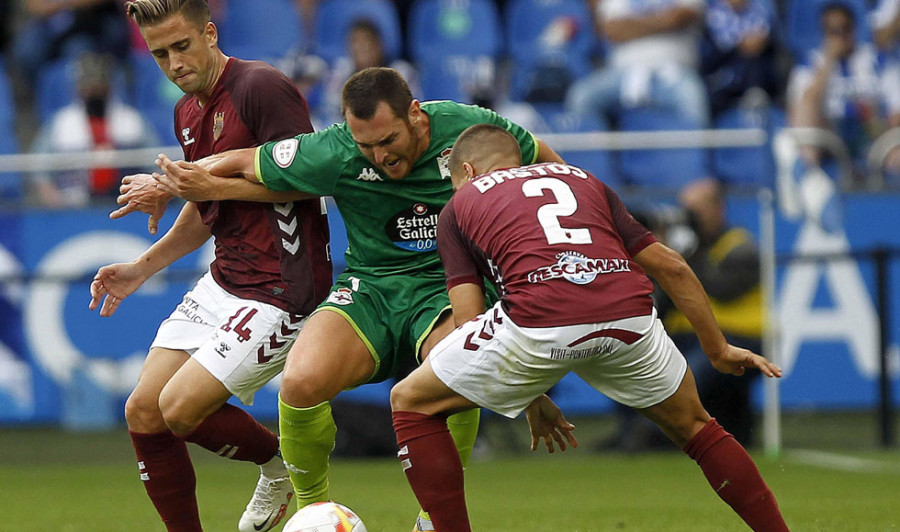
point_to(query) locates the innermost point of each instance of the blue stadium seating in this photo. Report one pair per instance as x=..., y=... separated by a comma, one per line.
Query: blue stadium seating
x=550, y=42
x=598, y=162
x=261, y=29
x=455, y=44
x=802, y=24
x=752, y=167
x=10, y=183
x=665, y=169
x=155, y=96
x=55, y=87
x=527, y=21
x=334, y=18
x=438, y=28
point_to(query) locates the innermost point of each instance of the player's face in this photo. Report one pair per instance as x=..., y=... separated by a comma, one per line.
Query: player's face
x=184, y=51
x=391, y=143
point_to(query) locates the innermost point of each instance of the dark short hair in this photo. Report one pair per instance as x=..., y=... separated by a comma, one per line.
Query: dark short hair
x=371, y=86
x=482, y=140
x=150, y=12
x=366, y=25
x=842, y=7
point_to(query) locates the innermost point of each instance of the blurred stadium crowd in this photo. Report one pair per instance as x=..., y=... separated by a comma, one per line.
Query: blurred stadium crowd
x=75, y=76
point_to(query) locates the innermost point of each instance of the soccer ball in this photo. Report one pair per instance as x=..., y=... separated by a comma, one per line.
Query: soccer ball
x=325, y=517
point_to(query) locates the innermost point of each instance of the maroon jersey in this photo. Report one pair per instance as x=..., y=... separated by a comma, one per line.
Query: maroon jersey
x=274, y=253
x=556, y=241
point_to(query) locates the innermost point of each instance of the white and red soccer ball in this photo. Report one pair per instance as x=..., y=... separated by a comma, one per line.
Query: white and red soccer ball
x=325, y=517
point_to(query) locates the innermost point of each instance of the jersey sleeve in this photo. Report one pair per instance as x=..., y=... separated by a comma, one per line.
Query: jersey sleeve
x=272, y=107
x=634, y=235
x=309, y=163
x=459, y=266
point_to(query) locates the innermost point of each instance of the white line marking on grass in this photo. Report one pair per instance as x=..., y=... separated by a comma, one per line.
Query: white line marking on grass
x=842, y=462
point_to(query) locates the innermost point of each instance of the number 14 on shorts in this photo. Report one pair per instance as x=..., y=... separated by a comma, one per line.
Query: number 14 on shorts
x=240, y=329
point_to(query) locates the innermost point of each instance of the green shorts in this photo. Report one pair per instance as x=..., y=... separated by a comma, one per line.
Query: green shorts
x=391, y=314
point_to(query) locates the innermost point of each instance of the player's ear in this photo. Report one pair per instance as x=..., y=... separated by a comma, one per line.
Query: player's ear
x=415, y=111
x=211, y=32
x=470, y=171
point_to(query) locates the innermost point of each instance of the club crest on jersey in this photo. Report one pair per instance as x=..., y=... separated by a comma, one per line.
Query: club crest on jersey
x=341, y=296
x=218, y=124
x=415, y=228
x=443, y=162
x=369, y=174
x=186, y=135
x=576, y=268
x=284, y=152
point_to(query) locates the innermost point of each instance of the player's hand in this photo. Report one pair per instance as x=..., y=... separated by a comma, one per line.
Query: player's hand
x=735, y=361
x=547, y=422
x=141, y=193
x=189, y=181
x=112, y=285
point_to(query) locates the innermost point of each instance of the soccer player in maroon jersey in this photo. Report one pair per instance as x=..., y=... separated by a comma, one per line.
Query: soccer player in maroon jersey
x=233, y=330
x=570, y=263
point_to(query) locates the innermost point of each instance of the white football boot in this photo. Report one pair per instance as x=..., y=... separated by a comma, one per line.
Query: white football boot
x=269, y=503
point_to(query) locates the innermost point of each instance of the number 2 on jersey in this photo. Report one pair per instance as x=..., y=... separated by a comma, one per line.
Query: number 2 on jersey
x=548, y=215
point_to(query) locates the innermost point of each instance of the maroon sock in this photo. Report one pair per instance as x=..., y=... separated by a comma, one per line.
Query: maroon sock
x=169, y=479
x=233, y=433
x=432, y=466
x=735, y=478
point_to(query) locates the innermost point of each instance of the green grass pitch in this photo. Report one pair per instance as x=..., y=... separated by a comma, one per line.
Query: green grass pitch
x=64, y=482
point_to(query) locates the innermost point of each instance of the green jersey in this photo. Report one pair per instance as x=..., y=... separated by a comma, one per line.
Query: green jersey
x=391, y=224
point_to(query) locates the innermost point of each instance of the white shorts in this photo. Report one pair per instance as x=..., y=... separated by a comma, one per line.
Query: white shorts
x=503, y=367
x=241, y=342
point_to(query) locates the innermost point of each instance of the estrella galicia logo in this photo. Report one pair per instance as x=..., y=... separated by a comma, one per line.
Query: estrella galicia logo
x=415, y=228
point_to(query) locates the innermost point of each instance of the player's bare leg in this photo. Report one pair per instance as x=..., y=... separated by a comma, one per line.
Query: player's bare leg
x=327, y=357
x=163, y=460
x=726, y=465
x=463, y=425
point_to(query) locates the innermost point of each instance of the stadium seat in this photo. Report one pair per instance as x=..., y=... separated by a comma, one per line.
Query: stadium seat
x=662, y=169
x=597, y=162
x=751, y=167
x=550, y=42
x=334, y=18
x=438, y=28
x=802, y=25
x=455, y=44
x=155, y=96
x=11, y=186
x=261, y=29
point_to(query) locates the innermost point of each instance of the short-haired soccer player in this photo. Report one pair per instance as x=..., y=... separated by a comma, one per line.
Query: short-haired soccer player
x=569, y=262
x=232, y=332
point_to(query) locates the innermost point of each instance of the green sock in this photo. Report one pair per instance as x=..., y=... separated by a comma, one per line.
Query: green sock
x=463, y=428
x=307, y=439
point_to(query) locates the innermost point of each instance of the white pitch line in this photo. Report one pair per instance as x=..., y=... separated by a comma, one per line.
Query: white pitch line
x=842, y=462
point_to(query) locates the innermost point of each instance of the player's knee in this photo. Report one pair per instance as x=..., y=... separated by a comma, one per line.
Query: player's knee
x=178, y=415
x=142, y=412
x=401, y=398
x=303, y=390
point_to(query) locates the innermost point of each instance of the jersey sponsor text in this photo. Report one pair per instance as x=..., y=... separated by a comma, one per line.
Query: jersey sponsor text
x=576, y=268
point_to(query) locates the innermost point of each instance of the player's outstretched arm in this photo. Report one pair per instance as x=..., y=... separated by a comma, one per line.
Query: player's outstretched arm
x=141, y=193
x=547, y=423
x=213, y=178
x=546, y=154
x=115, y=282
x=674, y=275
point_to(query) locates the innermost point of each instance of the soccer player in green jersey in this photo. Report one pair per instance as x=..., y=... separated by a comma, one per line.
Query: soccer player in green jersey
x=386, y=168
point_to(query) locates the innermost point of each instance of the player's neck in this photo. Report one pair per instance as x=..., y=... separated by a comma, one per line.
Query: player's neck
x=220, y=60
